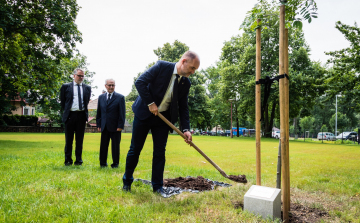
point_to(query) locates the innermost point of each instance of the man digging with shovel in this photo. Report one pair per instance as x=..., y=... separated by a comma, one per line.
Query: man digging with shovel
x=167, y=85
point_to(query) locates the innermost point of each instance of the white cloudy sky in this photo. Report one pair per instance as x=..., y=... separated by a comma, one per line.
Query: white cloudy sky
x=119, y=36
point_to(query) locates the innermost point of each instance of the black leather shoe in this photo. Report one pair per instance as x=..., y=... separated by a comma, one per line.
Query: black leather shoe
x=126, y=188
x=103, y=166
x=68, y=163
x=161, y=192
x=78, y=164
x=114, y=166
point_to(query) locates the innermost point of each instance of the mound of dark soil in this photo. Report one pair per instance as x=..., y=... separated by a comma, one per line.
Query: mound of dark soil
x=300, y=213
x=194, y=183
x=239, y=178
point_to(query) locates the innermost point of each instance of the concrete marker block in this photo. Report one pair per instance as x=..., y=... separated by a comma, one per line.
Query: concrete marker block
x=264, y=201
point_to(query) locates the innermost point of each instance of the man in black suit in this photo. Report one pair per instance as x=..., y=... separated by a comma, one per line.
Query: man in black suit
x=74, y=97
x=110, y=120
x=165, y=85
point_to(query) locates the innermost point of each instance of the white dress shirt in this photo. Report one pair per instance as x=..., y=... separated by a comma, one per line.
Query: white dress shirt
x=75, y=104
x=164, y=106
x=107, y=95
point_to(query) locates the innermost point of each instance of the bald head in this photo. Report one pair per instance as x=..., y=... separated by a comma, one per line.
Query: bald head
x=190, y=55
x=188, y=64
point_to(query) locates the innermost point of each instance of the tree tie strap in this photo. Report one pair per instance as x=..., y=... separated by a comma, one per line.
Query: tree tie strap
x=267, y=82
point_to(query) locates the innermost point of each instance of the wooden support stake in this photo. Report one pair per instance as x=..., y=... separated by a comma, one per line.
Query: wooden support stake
x=286, y=83
x=283, y=121
x=258, y=105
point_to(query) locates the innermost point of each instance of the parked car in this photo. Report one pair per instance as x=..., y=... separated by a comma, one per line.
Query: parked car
x=352, y=136
x=210, y=133
x=343, y=135
x=226, y=133
x=248, y=132
x=326, y=136
x=203, y=133
x=276, y=134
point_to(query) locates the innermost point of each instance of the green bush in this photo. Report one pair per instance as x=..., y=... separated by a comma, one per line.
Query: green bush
x=19, y=120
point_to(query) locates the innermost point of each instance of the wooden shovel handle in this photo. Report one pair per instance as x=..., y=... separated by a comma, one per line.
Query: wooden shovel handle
x=193, y=145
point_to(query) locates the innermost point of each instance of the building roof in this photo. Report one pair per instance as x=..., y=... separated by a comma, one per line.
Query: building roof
x=93, y=104
x=43, y=120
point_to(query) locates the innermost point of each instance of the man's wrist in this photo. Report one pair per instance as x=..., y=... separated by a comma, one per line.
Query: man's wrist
x=185, y=130
x=150, y=104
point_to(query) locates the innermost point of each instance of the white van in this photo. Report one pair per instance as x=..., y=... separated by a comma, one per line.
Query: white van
x=326, y=136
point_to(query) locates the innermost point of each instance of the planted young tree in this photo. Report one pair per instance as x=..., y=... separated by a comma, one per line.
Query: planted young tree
x=237, y=69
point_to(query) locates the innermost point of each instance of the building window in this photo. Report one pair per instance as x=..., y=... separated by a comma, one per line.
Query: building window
x=26, y=111
x=33, y=111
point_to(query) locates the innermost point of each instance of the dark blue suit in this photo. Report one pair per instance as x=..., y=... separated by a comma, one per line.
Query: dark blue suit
x=74, y=121
x=110, y=116
x=152, y=86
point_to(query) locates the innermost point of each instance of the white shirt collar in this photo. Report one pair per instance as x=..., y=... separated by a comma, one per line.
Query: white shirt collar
x=175, y=70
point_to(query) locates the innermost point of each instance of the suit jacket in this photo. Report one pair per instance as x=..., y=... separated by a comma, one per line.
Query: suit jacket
x=152, y=86
x=112, y=114
x=66, y=99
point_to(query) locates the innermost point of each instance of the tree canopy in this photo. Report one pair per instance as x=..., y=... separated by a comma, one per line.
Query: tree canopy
x=36, y=37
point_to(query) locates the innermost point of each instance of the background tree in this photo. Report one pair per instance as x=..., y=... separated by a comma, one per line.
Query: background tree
x=198, y=100
x=307, y=123
x=50, y=104
x=342, y=122
x=344, y=76
x=129, y=112
x=34, y=37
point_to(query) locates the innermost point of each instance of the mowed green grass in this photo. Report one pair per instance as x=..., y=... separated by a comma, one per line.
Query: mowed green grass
x=35, y=186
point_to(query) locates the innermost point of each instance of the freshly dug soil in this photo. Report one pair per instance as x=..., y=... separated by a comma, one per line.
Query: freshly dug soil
x=300, y=213
x=199, y=183
x=239, y=178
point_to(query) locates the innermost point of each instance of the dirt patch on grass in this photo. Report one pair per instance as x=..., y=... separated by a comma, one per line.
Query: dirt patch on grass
x=298, y=213
x=194, y=183
x=301, y=213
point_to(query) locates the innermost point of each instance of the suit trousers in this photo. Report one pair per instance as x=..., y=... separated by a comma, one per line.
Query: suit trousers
x=74, y=124
x=115, y=147
x=159, y=130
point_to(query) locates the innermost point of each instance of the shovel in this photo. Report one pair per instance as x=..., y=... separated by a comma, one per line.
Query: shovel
x=239, y=179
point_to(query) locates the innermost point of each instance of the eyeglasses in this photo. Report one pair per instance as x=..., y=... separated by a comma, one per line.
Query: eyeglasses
x=81, y=76
x=111, y=85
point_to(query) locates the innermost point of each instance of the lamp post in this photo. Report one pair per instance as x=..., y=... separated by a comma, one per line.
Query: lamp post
x=336, y=115
x=231, y=130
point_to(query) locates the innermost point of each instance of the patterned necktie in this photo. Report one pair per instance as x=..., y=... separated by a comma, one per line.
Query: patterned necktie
x=174, y=101
x=79, y=98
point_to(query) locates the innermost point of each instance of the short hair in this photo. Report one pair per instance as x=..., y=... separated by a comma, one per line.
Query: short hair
x=76, y=70
x=109, y=79
x=191, y=55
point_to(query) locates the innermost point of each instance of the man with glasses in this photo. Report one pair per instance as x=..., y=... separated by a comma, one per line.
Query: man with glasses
x=74, y=99
x=110, y=120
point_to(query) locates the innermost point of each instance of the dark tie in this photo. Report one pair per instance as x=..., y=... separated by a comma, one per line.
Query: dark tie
x=174, y=110
x=109, y=95
x=79, y=97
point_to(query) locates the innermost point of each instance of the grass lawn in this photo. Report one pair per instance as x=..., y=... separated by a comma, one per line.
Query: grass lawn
x=35, y=186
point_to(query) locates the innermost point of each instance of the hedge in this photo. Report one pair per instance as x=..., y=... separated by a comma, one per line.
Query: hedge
x=18, y=120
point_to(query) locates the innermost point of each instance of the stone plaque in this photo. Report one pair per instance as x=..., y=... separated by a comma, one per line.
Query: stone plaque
x=264, y=201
